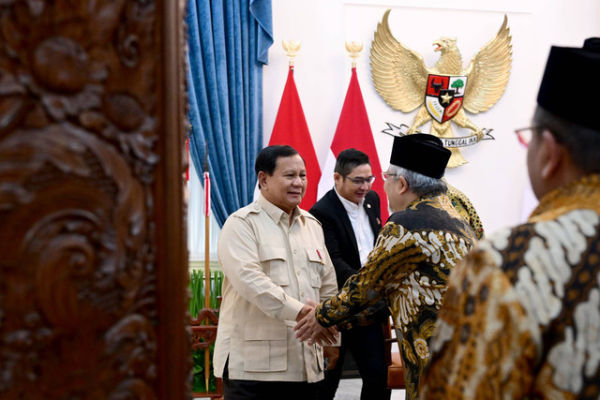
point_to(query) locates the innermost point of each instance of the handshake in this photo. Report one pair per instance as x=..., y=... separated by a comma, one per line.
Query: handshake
x=308, y=328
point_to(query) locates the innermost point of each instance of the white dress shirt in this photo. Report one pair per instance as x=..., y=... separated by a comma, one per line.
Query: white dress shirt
x=360, y=225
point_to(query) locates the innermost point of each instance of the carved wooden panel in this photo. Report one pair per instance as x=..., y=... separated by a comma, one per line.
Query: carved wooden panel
x=92, y=256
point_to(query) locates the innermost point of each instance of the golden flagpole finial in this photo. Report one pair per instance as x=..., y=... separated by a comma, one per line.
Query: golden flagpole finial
x=291, y=47
x=354, y=49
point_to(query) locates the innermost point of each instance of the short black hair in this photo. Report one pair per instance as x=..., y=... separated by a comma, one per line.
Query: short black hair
x=349, y=159
x=266, y=160
x=582, y=143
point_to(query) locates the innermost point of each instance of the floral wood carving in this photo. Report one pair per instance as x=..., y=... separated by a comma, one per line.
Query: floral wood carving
x=79, y=112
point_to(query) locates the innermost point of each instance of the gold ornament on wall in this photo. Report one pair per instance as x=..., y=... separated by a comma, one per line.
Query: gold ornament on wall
x=444, y=91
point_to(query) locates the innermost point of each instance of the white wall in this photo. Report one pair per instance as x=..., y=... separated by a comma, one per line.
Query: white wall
x=496, y=177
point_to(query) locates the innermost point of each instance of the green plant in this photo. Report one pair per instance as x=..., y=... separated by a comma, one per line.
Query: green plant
x=197, y=290
x=197, y=304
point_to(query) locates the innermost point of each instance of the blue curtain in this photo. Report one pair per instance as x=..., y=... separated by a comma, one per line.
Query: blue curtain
x=228, y=45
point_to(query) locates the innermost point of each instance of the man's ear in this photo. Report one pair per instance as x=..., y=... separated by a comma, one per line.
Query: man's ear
x=552, y=156
x=262, y=178
x=402, y=185
x=337, y=177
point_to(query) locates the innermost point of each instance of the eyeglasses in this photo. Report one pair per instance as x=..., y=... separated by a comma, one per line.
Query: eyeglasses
x=388, y=175
x=361, y=180
x=526, y=134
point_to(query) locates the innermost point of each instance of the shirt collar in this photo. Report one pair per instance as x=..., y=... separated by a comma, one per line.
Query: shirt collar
x=350, y=206
x=424, y=198
x=579, y=194
x=276, y=213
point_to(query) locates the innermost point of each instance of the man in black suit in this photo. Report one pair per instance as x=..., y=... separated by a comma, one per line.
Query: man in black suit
x=350, y=216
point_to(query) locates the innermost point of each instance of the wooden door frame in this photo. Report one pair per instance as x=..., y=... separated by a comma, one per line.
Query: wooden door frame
x=174, y=355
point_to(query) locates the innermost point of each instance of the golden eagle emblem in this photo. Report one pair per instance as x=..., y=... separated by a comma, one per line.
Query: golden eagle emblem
x=443, y=92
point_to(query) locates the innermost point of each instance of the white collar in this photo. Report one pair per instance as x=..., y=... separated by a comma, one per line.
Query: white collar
x=350, y=206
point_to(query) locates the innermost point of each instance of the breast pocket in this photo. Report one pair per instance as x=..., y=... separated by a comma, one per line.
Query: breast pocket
x=315, y=262
x=273, y=260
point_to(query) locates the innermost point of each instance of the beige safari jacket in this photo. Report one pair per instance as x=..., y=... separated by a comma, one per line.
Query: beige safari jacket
x=270, y=267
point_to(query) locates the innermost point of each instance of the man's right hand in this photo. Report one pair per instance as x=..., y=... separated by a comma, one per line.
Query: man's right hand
x=309, y=329
x=304, y=312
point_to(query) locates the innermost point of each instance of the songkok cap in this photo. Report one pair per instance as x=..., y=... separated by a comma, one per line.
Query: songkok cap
x=570, y=85
x=420, y=153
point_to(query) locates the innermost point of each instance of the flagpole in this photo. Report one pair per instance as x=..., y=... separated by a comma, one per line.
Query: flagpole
x=290, y=128
x=354, y=131
x=206, y=260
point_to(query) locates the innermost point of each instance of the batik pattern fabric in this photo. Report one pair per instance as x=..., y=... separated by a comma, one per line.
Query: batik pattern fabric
x=521, y=317
x=465, y=208
x=408, y=268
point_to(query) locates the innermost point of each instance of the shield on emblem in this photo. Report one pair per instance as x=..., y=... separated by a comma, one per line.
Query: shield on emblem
x=444, y=96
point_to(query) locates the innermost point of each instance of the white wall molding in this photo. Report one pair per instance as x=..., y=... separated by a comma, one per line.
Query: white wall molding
x=511, y=6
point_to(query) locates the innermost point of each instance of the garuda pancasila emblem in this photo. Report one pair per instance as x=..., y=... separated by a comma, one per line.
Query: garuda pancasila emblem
x=443, y=92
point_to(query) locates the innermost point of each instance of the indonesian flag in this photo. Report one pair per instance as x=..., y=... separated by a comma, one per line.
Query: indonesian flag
x=206, y=194
x=290, y=128
x=354, y=130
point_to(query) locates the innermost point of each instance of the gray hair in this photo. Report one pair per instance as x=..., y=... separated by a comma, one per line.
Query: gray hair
x=581, y=143
x=420, y=184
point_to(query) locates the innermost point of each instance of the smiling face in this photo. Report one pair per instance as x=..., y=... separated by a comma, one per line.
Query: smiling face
x=285, y=188
x=350, y=190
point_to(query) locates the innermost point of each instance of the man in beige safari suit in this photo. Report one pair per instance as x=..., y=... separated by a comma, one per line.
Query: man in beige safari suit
x=274, y=259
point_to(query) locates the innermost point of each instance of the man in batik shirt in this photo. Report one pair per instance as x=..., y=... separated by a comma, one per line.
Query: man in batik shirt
x=521, y=318
x=414, y=254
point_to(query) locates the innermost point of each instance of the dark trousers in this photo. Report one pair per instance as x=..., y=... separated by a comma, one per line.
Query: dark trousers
x=366, y=343
x=237, y=389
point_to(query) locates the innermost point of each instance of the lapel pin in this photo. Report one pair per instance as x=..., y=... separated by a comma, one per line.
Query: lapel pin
x=320, y=257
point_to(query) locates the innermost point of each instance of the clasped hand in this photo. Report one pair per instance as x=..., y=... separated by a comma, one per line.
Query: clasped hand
x=308, y=328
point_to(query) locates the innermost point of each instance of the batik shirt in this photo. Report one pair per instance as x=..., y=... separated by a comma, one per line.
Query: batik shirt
x=408, y=268
x=521, y=318
x=465, y=208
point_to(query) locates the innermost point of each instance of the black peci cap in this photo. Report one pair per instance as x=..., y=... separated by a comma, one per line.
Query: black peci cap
x=420, y=153
x=571, y=83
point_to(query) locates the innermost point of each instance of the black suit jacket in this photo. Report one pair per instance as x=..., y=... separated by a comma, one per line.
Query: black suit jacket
x=339, y=235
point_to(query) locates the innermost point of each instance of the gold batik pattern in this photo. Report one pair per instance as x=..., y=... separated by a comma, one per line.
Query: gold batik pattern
x=408, y=268
x=465, y=208
x=521, y=317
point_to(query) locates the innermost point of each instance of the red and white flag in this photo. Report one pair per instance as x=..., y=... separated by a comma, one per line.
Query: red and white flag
x=206, y=194
x=354, y=130
x=290, y=128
